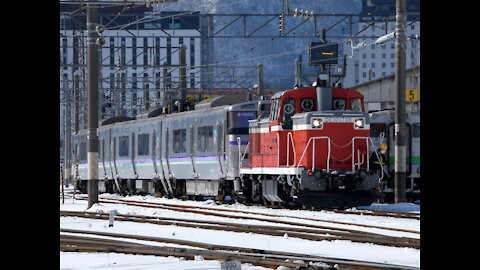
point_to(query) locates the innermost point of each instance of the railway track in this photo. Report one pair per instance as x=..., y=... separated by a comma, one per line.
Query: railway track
x=302, y=231
x=268, y=217
x=77, y=241
x=348, y=212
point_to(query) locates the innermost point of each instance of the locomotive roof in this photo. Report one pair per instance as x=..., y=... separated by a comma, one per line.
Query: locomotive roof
x=338, y=91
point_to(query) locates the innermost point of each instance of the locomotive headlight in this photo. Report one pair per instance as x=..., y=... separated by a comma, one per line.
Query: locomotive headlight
x=317, y=123
x=359, y=123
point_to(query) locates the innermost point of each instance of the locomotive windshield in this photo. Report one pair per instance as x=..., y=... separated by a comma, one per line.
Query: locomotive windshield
x=356, y=104
x=339, y=104
x=238, y=122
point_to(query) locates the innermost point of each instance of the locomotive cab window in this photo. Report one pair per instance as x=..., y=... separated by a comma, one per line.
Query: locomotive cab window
x=288, y=112
x=338, y=104
x=307, y=104
x=356, y=104
x=275, y=110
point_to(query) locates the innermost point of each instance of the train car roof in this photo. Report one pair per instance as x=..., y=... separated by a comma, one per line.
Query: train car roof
x=221, y=101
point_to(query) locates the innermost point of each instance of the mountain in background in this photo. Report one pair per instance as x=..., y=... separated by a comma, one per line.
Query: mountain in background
x=277, y=55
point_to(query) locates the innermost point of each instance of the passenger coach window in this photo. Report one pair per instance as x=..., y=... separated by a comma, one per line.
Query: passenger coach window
x=82, y=153
x=179, y=139
x=205, y=139
x=238, y=122
x=123, y=146
x=376, y=129
x=142, y=140
x=416, y=130
x=339, y=104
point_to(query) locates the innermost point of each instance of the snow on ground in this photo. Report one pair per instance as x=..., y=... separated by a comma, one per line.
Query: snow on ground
x=339, y=248
x=116, y=261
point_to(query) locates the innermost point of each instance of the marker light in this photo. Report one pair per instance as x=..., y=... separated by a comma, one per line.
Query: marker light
x=317, y=123
x=359, y=123
x=309, y=173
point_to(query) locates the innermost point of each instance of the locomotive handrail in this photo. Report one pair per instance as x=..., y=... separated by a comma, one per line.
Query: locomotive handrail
x=313, y=152
x=289, y=135
x=353, y=152
x=239, y=142
x=278, y=149
x=240, y=156
x=244, y=153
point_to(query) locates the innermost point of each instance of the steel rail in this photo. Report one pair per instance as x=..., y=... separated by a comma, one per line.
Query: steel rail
x=302, y=233
x=271, y=259
x=166, y=205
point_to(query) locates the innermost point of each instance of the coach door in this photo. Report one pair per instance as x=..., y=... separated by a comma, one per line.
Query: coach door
x=114, y=157
x=132, y=156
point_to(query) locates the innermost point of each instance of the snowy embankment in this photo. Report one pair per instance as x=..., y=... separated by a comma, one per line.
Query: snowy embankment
x=336, y=249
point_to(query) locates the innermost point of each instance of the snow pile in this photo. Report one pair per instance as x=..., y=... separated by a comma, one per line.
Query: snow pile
x=397, y=207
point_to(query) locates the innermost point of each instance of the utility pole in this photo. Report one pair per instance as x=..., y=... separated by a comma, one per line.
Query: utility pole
x=400, y=128
x=260, y=80
x=76, y=102
x=298, y=71
x=67, y=156
x=182, y=76
x=92, y=84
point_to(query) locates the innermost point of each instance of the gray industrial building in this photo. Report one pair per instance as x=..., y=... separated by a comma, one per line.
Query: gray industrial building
x=380, y=93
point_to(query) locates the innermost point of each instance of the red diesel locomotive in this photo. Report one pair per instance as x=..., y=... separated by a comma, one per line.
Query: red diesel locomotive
x=312, y=150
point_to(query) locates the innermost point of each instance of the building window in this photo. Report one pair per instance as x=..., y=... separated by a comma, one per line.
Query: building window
x=364, y=74
x=364, y=65
x=384, y=65
x=373, y=56
x=383, y=74
x=123, y=51
x=145, y=51
x=373, y=65
x=134, y=52
x=192, y=52
x=169, y=51
x=392, y=65
x=157, y=52
x=364, y=56
x=392, y=55
x=384, y=55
